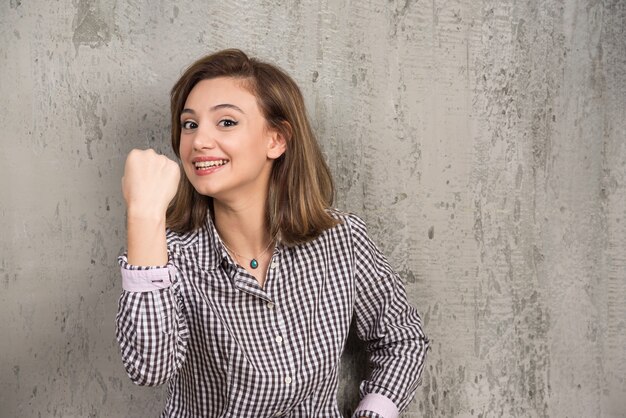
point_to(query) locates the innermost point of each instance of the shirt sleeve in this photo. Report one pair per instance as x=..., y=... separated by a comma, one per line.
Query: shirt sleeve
x=367, y=414
x=151, y=328
x=391, y=329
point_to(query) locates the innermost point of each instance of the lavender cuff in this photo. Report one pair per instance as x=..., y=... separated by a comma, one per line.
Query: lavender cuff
x=379, y=404
x=147, y=280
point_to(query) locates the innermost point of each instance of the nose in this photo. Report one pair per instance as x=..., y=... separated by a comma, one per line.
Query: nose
x=204, y=139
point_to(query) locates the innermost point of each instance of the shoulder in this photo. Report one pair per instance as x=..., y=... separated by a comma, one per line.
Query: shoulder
x=182, y=239
x=349, y=223
x=350, y=219
x=369, y=259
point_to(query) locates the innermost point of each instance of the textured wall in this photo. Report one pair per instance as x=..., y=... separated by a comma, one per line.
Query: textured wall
x=483, y=141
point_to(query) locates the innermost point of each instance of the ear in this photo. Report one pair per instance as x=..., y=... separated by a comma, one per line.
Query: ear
x=277, y=143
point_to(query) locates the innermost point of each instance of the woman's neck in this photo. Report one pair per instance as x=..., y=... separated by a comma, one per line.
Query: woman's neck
x=243, y=226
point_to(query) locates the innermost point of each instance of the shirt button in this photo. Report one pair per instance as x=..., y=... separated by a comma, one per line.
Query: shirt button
x=288, y=380
x=279, y=339
x=274, y=265
x=270, y=305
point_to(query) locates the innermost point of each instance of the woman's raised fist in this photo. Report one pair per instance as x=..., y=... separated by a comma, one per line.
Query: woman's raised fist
x=150, y=182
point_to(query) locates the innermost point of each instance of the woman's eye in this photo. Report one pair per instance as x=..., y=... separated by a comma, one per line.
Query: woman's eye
x=227, y=123
x=189, y=125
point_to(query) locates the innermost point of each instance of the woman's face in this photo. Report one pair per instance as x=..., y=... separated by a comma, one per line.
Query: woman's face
x=226, y=147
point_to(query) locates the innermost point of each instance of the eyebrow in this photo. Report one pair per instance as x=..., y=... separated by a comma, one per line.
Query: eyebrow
x=216, y=107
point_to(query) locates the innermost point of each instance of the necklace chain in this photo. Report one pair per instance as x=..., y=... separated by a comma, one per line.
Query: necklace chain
x=254, y=263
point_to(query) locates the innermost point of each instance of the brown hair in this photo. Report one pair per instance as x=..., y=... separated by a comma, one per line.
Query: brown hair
x=300, y=188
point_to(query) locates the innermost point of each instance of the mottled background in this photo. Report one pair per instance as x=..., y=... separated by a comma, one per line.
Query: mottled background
x=484, y=142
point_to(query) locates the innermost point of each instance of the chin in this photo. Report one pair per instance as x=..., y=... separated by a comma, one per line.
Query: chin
x=205, y=192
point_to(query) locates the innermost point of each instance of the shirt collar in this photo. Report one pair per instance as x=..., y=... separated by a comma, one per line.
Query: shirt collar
x=211, y=245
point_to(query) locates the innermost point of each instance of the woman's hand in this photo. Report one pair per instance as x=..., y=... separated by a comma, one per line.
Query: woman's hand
x=150, y=182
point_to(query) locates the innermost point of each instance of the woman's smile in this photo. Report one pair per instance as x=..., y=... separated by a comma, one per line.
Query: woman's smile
x=208, y=165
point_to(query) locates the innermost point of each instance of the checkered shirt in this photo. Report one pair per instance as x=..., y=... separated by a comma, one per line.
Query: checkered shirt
x=229, y=348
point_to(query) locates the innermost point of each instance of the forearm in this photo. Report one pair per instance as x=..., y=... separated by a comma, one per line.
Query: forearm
x=147, y=245
x=397, y=359
x=149, y=183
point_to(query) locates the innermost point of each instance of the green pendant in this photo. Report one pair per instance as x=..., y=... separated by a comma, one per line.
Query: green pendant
x=254, y=264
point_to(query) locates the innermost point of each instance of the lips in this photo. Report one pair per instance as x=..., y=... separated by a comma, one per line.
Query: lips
x=208, y=165
x=203, y=165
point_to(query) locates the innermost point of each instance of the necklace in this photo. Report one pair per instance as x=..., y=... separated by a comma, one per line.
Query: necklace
x=254, y=263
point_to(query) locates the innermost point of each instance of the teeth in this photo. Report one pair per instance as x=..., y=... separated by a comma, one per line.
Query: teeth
x=209, y=164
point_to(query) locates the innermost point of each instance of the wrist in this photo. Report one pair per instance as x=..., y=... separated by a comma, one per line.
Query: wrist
x=144, y=214
x=147, y=244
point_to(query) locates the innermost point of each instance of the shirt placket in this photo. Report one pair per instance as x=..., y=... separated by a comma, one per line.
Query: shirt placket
x=281, y=338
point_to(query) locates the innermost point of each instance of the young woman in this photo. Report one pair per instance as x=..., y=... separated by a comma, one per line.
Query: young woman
x=240, y=281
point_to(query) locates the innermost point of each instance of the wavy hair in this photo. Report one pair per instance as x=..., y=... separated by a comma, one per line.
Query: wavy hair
x=301, y=188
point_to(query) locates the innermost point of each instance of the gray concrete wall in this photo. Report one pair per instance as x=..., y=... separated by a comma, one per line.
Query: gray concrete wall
x=483, y=141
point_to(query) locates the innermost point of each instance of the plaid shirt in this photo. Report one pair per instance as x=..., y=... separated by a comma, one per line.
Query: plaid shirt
x=229, y=348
